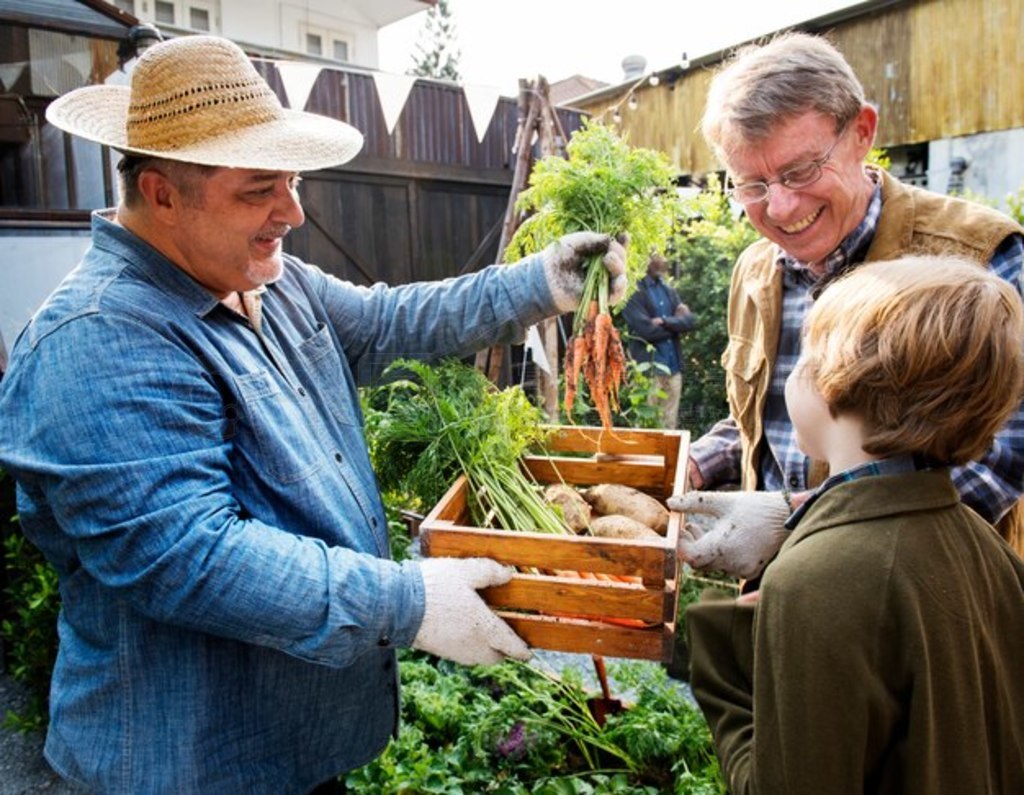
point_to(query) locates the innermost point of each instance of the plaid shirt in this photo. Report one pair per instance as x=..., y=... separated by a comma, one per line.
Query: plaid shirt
x=990, y=485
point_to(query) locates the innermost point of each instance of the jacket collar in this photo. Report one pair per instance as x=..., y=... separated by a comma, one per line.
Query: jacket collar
x=871, y=498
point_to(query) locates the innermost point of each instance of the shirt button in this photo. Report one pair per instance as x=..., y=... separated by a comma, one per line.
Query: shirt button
x=338, y=457
x=794, y=481
x=384, y=641
x=302, y=391
x=373, y=522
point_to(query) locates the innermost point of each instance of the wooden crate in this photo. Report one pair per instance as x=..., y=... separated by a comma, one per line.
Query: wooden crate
x=572, y=613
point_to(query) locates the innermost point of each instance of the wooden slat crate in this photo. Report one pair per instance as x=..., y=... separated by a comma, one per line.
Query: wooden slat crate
x=575, y=613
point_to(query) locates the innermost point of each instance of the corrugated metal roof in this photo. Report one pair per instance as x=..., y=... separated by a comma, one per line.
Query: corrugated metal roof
x=70, y=16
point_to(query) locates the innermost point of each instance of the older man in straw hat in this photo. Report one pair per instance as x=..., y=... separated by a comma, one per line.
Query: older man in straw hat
x=182, y=420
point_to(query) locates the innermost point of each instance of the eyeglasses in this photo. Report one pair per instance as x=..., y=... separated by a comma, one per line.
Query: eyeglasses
x=800, y=176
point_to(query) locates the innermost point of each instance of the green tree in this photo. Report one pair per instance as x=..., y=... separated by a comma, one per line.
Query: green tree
x=437, y=52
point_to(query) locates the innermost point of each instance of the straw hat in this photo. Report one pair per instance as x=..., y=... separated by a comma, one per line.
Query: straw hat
x=199, y=99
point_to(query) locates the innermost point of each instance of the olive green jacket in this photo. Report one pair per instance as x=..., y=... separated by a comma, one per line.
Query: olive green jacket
x=884, y=656
x=913, y=221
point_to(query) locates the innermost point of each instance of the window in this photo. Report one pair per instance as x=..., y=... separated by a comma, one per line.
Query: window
x=198, y=18
x=325, y=42
x=201, y=15
x=128, y=6
x=164, y=12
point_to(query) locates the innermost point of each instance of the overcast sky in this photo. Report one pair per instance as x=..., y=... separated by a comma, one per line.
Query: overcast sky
x=504, y=41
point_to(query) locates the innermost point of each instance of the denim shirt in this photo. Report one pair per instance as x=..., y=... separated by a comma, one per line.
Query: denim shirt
x=230, y=611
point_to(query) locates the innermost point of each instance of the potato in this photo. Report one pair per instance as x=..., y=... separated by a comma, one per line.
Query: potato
x=575, y=509
x=618, y=526
x=613, y=498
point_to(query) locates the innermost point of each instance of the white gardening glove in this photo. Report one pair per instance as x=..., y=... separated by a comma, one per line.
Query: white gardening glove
x=563, y=266
x=457, y=624
x=736, y=532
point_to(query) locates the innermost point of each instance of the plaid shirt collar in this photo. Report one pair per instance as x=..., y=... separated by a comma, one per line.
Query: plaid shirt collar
x=897, y=465
x=851, y=251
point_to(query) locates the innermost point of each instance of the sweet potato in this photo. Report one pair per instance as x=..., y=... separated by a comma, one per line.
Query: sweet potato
x=618, y=526
x=613, y=498
x=575, y=510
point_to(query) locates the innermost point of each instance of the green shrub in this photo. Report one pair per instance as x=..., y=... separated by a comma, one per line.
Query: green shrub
x=28, y=626
x=709, y=239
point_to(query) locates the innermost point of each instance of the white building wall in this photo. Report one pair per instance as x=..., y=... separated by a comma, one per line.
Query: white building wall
x=995, y=164
x=33, y=265
x=284, y=25
x=278, y=25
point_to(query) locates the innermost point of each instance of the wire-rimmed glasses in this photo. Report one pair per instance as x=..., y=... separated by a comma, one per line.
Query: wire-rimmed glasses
x=802, y=175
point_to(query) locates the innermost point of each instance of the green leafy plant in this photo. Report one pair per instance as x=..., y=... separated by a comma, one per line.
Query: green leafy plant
x=709, y=238
x=603, y=185
x=29, y=624
x=635, y=409
x=448, y=419
x=516, y=729
x=879, y=157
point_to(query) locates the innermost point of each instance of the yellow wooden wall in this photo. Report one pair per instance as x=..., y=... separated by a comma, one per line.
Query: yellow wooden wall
x=934, y=68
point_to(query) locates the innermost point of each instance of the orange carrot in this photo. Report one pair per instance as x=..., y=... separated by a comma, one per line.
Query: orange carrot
x=616, y=366
x=571, y=376
x=575, y=361
x=602, y=337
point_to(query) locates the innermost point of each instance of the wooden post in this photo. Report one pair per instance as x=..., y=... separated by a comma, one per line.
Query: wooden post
x=490, y=361
x=536, y=116
x=547, y=383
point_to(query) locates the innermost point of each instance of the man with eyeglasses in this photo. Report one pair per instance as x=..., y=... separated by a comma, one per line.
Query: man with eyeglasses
x=790, y=122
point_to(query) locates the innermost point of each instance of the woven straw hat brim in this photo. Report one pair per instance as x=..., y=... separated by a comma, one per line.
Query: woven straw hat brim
x=297, y=141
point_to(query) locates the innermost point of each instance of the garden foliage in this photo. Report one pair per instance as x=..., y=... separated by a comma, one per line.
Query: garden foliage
x=602, y=185
x=517, y=730
x=710, y=236
x=28, y=621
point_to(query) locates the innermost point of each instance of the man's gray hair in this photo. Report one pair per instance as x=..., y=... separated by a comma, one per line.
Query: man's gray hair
x=762, y=85
x=188, y=178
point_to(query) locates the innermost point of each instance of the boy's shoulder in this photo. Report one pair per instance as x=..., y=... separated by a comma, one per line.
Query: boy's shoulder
x=872, y=530
x=855, y=522
x=878, y=498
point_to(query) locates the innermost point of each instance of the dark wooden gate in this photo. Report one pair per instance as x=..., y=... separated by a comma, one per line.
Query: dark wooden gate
x=396, y=229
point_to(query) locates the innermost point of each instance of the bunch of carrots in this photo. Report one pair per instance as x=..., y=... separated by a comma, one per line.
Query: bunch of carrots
x=595, y=350
x=602, y=185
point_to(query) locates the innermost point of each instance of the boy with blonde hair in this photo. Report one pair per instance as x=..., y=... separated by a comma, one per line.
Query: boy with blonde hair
x=882, y=652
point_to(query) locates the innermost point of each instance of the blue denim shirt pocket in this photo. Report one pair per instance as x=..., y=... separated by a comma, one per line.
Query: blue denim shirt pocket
x=284, y=446
x=320, y=354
